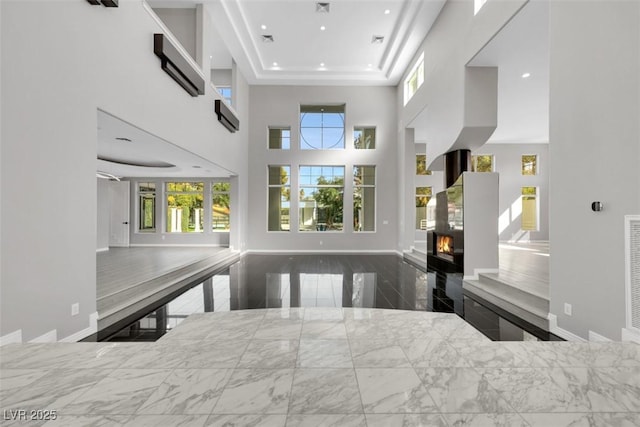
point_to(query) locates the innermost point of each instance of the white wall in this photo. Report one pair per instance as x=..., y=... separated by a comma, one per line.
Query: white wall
x=182, y=23
x=456, y=36
x=101, y=58
x=102, y=223
x=507, y=162
x=365, y=106
x=595, y=152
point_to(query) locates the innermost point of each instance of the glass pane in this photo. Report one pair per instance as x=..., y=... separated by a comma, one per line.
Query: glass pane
x=321, y=127
x=278, y=209
x=220, y=211
x=364, y=175
x=364, y=209
x=184, y=213
x=421, y=213
x=421, y=165
x=221, y=187
x=147, y=186
x=529, y=164
x=529, y=218
x=332, y=138
x=321, y=209
x=483, y=163
x=529, y=191
x=147, y=212
x=279, y=138
x=426, y=191
x=279, y=175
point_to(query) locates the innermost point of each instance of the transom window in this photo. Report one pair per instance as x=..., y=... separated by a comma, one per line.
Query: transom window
x=482, y=163
x=414, y=80
x=279, y=138
x=184, y=207
x=364, y=138
x=529, y=164
x=423, y=195
x=321, y=127
x=321, y=198
x=421, y=165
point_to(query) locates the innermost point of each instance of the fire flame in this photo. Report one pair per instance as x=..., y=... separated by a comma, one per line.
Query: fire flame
x=445, y=244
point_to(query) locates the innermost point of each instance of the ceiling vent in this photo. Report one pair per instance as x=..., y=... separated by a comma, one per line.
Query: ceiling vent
x=377, y=39
x=267, y=38
x=323, y=7
x=120, y=138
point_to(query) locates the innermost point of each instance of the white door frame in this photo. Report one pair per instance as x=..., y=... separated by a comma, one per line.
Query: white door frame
x=119, y=213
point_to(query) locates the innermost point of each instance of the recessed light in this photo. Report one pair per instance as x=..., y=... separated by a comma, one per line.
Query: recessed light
x=275, y=64
x=322, y=64
x=323, y=7
x=322, y=28
x=526, y=75
x=387, y=11
x=264, y=27
x=369, y=65
x=210, y=56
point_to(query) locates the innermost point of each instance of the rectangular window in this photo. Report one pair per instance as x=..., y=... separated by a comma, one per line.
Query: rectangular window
x=529, y=164
x=529, y=218
x=225, y=93
x=147, y=207
x=482, y=163
x=423, y=195
x=364, y=138
x=421, y=165
x=279, y=138
x=364, y=198
x=184, y=207
x=414, y=80
x=321, y=198
x=322, y=127
x=220, y=206
x=279, y=198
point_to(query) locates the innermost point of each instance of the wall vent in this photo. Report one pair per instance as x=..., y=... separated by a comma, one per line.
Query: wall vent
x=632, y=268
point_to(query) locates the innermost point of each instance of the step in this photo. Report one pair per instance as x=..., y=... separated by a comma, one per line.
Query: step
x=525, y=305
x=416, y=258
x=119, y=305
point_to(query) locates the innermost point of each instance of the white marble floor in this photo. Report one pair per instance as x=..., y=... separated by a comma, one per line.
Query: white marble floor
x=323, y=367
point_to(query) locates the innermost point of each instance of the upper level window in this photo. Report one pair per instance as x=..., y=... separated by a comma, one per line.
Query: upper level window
x=414, y=80
x=279, y=138
x=529, y=164
x=321, y=127
x=482, y=163
x=225, y=93
x=364, y=138
x=421, y=165
x=477, y=5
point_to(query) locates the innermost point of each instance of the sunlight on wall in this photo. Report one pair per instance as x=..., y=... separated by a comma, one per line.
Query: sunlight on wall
x=516, y=209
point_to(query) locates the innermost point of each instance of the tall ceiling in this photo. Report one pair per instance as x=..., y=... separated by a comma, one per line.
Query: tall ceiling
x=316, y=45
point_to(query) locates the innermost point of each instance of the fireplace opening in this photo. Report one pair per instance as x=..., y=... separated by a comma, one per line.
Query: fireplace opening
x=444, y=247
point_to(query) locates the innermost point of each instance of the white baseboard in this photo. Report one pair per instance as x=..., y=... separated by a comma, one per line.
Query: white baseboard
x=323, y=251
x=562, y=333
x=14, y=337
x=91, y=329
x=49, y=337
x=178, y=245
x=593, y=336
x=478, y=271
x=102, y=249
x=630, y=335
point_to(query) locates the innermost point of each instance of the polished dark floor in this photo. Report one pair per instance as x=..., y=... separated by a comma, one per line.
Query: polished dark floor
x=367, y=281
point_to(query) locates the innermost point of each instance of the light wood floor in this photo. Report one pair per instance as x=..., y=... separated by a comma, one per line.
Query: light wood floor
x=129, y=279
x=525, y=266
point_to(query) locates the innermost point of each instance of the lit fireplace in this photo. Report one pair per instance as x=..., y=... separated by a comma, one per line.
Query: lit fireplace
x=444, y=247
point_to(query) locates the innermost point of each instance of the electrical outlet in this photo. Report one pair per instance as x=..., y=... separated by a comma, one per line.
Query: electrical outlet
x=385, y=222
x=75, y=309
x=567, y=309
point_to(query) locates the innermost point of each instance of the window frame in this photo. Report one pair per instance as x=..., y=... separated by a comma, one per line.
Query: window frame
x=536, y=197
x=316, y=186
x=281, y=186
x=167, y=192
x=304, y=145
x=417, y=72
x=140, y=194
x=535, y=165
x=363, y=129
x=280, y=128
x=213, y=192
x=375, y=198
x=417, y=195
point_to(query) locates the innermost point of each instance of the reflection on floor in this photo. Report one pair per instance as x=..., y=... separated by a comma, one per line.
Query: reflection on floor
x=363, y=281
x=324, y=366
